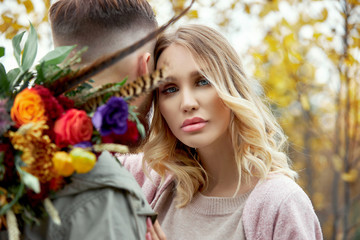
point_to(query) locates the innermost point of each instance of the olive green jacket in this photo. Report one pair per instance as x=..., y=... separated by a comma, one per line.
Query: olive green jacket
x=106, y=203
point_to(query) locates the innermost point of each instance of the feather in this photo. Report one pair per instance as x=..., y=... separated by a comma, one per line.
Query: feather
x=72, y=80
x=130, y=90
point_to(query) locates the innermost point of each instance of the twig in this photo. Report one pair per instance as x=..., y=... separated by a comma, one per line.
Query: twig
x=68, y=83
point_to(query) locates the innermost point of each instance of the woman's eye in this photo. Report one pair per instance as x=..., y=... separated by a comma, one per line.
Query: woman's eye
x=203, y=82
x=168, y=90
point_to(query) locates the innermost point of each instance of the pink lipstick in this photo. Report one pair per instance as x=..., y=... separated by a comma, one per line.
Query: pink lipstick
x=193, y=124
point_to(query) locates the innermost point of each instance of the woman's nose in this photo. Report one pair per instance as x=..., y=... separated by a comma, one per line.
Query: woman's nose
x=188, y=101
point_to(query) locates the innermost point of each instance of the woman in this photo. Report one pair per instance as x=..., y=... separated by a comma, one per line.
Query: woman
x=218, y=150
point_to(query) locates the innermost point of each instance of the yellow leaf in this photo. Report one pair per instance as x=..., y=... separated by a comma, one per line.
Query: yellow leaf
x=351, y=176
x=29, y=6
x=337, y=163
x=289, y=40
x=324, y=15
x=305, y=102
x=193, y=14
x=265, y=11
x=11, y=34
x=318, y=200
x=4, y=27
x=7, y=19
x=316, y=35
x=247, y=8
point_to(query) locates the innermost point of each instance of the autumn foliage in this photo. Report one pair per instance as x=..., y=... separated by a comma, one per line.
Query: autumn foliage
x=308, y=63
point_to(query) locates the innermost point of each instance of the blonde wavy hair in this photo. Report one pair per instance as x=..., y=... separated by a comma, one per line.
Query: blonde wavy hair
x=258, y=141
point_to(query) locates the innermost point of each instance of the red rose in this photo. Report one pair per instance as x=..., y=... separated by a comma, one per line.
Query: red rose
x=73, y=127
x=53, y=109
x=65, y=102
x=130, y=137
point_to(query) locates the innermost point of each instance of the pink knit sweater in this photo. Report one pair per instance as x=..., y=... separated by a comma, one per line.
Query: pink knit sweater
x=277, y=208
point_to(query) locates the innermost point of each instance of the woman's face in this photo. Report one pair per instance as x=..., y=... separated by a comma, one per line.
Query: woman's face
x=189, y=104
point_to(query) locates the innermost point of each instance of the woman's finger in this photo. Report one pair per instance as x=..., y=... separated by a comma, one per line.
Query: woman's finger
x=154, y=232
x=159, y=232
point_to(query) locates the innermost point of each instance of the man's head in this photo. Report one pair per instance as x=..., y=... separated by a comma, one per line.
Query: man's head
x=106, y=26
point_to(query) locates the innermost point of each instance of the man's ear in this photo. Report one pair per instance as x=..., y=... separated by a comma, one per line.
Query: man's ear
x=143, y=62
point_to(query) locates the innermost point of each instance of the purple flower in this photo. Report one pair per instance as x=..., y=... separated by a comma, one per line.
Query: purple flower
x=111, y=117
x=5, y=120
x=85, y=144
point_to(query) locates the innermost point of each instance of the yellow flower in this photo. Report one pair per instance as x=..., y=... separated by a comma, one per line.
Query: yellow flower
x=83, y=161
x=37, y=149
x=63, y=164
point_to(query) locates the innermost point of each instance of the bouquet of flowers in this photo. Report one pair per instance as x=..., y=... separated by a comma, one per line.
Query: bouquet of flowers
x=45, y=133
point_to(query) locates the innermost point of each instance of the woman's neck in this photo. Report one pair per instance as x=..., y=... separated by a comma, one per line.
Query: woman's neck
x=219, y=163
x=218, y=160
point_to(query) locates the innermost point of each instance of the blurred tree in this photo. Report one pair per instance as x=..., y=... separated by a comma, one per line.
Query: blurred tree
x=308, y=63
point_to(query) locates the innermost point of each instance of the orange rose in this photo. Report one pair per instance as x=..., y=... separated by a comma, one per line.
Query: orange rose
x=28, y=107
x=72, y=128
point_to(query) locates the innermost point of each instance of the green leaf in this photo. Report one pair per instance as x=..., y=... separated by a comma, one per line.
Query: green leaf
x=2, y=51
x=141, y=129
x=19, y=193
x=58, y=55
x=12, y=74
x=16, y=46
x=4, y=83
x=30, y=50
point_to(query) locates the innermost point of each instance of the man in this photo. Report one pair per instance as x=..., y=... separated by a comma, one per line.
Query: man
x=107, y=202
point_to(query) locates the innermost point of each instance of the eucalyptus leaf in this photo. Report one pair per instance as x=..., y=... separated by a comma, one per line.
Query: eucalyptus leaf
x=31, y=181
x=13, y=74
x=28, y=179
x=58, y=55
x=40, y=73
x=4, y=83
x=30, y=50
x=2, y=51
x=141, y=129
x=16, y=46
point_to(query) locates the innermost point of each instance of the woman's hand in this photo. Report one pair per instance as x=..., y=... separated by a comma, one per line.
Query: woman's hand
x=154, y=232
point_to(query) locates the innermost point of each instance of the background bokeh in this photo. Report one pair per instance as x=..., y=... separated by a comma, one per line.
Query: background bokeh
x=306, y=55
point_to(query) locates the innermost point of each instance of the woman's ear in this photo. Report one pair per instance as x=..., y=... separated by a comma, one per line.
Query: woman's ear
x=143, y=64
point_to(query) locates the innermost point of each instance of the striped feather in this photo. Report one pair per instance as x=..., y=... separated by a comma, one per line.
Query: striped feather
x=129, y=91
x=71, y=81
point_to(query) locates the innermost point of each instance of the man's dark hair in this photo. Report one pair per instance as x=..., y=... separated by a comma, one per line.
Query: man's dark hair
x=74, y=17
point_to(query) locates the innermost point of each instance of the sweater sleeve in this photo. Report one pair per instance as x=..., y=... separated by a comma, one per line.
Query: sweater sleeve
x=296, y=219
x=278, y=208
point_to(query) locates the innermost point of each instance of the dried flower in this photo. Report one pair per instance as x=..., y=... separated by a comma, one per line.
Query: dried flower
x=37, y=149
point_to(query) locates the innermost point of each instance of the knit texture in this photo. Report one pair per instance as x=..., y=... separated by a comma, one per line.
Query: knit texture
x=277, y=208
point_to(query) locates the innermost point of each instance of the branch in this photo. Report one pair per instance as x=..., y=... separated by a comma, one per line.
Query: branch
x=69, y=82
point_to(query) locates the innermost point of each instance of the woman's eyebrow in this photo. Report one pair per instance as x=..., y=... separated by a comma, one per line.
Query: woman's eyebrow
x=195, y=74
x=170, y=79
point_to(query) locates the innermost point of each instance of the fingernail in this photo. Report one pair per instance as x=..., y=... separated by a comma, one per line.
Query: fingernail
x=148, y=223
x=148, y=236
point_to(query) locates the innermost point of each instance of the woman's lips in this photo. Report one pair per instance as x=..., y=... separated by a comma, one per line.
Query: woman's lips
x=193, y=124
